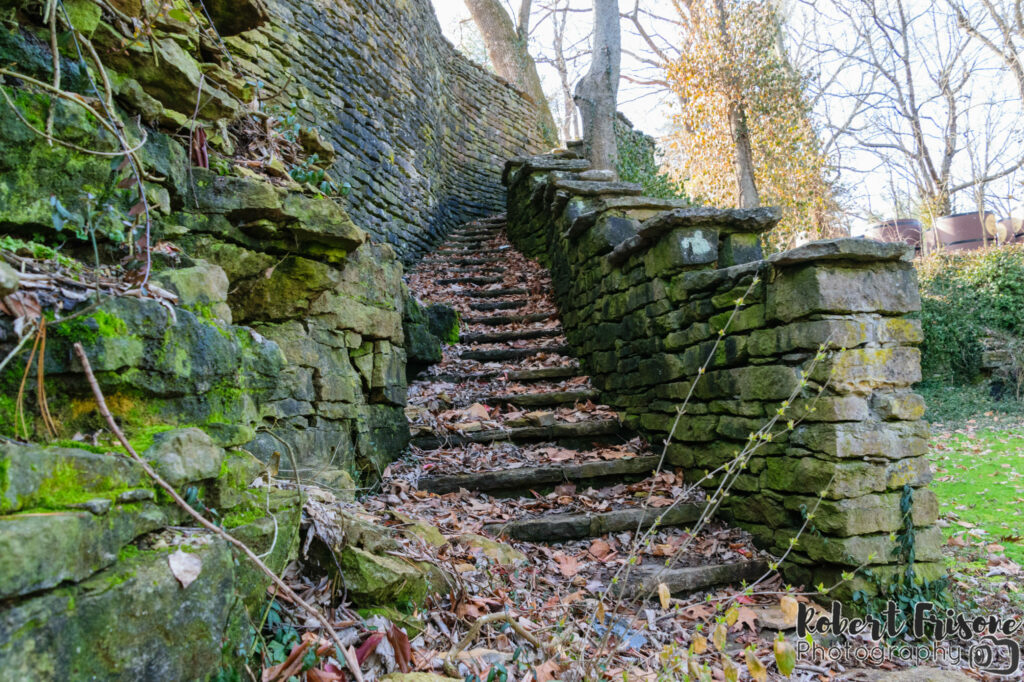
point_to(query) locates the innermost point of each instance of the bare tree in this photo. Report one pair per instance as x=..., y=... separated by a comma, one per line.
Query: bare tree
x=507, y=45
x=999, y=26
x=922, y=84
x=597, y=92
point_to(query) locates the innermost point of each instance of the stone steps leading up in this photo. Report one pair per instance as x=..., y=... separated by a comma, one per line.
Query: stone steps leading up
x=525, y=478
x=499, y=305
x=577, y=526
x=517, y=376
x=503, y=354
x=510, y=319
x=499, y=337
x=581, y=432
x=469, y=280
x=473, y=257
x=547, y=399
x=498, y=293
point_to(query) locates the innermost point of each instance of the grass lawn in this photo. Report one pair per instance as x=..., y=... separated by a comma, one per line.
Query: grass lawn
x=977, y=452
x=979, y=480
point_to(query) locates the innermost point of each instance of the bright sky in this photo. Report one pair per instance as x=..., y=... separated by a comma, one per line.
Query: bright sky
x=869, y=184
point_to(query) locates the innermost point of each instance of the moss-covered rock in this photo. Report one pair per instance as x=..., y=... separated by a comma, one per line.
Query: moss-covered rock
x=184, y=456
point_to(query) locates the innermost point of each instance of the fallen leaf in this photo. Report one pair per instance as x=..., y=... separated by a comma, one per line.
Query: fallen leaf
x=568, y=565
x=755, y=667
x=664, y=595
x=746, y=617
x=478, y=411
x=789, y=607
x=185, y=567
x=599, y=549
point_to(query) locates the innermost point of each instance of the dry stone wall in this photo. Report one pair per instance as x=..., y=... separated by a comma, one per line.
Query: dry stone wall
x=421, y=133
x=647, y=286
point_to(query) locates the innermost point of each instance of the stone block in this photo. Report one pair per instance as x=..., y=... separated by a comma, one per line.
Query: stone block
x=889, y=288
x=799, y=472
x=899, y=405
x=737, y=248
x=858, y=550
x=184, y=456
x=893, y=440
x=861, y=370
x=681, y=248
x=873, y=513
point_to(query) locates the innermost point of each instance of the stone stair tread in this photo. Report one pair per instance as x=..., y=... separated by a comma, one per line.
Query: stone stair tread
x=503, y=354
x=509, y=319
x=520, y=376
x=555, y=432
x=496, y=293
x=687, y=579
x=560, y=527
x=462, y=261
x=470, y=280
x=541, y=399
x=553, y=473
x=499, y=305
x=500, y=337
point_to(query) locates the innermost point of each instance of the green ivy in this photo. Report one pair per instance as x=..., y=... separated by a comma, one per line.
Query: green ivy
x=637, y=163
x=963, y=296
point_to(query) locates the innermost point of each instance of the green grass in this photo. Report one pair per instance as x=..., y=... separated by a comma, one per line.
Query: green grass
x=952, y=406
x=979, y=480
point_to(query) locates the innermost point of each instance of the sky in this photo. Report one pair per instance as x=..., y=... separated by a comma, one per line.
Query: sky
x=869, y=186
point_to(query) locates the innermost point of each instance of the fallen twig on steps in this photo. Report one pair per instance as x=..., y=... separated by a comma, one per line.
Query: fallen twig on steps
x=474, y=632
x=220, y=532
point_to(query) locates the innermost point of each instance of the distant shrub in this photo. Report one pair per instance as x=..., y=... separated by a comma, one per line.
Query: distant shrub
x=964, y=295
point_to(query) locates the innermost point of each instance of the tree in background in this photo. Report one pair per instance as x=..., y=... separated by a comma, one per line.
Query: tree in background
x=744, y=134
x=508, y=47
x=597, y=92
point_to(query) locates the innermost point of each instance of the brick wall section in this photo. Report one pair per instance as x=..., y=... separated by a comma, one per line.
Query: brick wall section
x=644, y=287
x=421, y=132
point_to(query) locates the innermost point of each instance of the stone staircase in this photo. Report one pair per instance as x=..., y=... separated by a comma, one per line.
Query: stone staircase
x=511, y=394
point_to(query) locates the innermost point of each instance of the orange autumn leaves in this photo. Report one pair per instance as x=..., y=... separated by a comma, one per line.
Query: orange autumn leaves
x=732, y=57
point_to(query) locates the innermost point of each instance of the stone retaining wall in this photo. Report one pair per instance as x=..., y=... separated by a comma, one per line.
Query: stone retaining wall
x=646, y=287
x=420, y=131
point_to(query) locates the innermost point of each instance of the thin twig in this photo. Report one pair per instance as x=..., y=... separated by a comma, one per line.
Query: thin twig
x=101, y=405
x=474, y=632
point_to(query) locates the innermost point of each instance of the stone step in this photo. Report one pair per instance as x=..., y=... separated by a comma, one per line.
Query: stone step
x=547, y=399
x=500, y=337
x=577, y=526
x=579, y=431
x=478, y=239
x=644, y=581
x=470, y=252
x=509, y=319
x=518, y=376
x=504, y=354
x=545, y=476
x=476, y=229
x=499, y=305
x=495, y=293
x=477, y=271
x=461, y=261
x=470, y=280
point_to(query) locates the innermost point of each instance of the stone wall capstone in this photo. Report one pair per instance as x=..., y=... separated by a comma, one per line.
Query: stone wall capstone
x=420, y=132
x=646, y=286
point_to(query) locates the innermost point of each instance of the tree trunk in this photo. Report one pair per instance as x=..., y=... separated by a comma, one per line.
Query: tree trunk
x=507, y=48
x=746, y=187
x=597, y=92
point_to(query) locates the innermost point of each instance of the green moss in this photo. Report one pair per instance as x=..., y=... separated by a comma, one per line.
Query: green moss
x=97, y=449
x=143, y=439
x=38, y=251
x=128, y=552
x=63, y=488
x=5, y=480
x=243, y=517
x=92, y=328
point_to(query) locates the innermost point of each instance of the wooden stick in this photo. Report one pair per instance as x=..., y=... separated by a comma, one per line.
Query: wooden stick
x=101, y=404
x=474, y=631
